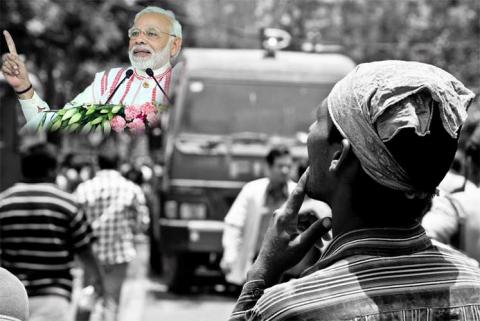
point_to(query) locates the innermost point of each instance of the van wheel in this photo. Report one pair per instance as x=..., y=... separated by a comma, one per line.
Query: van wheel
x=177, y=272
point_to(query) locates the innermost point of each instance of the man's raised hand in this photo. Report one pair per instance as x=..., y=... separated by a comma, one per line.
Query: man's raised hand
x=284, y=245
x=14, y=70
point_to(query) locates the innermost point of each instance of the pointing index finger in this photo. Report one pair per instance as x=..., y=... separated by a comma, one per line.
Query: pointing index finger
x=295, y=200
x=10, y=42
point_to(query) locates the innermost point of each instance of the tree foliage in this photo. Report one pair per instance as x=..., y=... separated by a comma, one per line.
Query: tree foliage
x=67, y=41
x=445, y=33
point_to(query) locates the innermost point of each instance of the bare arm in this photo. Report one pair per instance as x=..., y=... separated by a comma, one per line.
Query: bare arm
x=15, y=71
x=283, y=247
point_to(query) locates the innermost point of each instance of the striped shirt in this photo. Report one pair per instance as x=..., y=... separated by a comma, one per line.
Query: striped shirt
x=41, y=228
x=367, y=275
x=116, y=209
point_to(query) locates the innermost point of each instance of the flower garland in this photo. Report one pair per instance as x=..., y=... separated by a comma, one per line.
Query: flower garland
x=104, y=118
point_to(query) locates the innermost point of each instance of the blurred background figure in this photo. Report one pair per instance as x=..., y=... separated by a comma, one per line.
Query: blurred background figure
x=248, y=218
x=454, y=217
x=41, y=229
x=117, y=211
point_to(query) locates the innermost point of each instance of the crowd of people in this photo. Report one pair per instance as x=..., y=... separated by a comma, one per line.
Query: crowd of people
x=44, y=228
x=405, y=231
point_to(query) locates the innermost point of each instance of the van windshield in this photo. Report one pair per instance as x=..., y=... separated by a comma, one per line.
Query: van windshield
x=225, y=107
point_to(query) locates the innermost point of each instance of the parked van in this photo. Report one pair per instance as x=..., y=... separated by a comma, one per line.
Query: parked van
x=231, y=106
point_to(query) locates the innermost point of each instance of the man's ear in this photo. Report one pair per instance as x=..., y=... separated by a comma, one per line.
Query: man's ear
x=176, y=46
x=340, y=156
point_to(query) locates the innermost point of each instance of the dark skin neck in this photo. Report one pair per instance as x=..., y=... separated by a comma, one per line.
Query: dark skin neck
x=358, y=203
x=349, y=215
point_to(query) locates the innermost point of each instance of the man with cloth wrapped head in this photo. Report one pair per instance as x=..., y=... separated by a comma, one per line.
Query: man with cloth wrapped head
x=382, y=142
x=155, y=38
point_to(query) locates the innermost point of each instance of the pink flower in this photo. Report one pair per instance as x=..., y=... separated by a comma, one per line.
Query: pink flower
x=136, y=126
x=118, y=124
x=153, y=119
x=132, y=111
x=148, y=108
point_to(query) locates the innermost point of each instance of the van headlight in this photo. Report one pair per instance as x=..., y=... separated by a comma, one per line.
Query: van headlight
x=193, y=211
x=171, y=208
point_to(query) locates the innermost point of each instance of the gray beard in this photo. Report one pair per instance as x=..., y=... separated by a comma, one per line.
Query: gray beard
x=157, y=60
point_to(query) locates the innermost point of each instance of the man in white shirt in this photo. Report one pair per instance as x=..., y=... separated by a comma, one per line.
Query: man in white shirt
x=155, y=38
x=247, y=220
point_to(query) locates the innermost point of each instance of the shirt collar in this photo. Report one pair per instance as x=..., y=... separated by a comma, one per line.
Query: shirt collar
x=378, y=241
x=139, y=73
x=276, y=193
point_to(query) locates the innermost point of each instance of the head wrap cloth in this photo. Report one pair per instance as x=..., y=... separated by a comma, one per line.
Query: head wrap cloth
x=374, y=101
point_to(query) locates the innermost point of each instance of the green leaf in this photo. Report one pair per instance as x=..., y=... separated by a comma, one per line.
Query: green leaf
x=97, y=120
x=104, y=111
x=106, y=127
x=110, y=116
x=97, y=130
x=116, y=109
x=61, y=112
x=75, y=118
x=73, y=127
x=86, y=129
x=90, y=110
x=69, y=113
x=56, y=125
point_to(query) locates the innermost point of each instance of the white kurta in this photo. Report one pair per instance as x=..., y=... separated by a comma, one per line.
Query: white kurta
x=242, y=227
x=138, y=89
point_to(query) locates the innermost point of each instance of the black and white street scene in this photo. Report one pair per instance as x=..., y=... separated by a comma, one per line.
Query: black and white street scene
x=240, y=160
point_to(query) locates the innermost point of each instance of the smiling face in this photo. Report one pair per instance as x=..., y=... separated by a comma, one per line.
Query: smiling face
x=151, y=45
x=321, y=181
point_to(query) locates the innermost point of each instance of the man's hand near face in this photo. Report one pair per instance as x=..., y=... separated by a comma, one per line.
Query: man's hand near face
x=15, y=71
x=283, y=245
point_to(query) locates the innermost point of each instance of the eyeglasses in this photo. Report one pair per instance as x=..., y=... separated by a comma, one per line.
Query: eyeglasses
x=150, y=33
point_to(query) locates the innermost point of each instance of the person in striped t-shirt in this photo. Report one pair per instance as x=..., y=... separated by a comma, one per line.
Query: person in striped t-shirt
x=382, y=142
x=42, y=229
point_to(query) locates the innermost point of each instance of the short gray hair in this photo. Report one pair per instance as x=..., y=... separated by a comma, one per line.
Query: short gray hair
x=176, y=28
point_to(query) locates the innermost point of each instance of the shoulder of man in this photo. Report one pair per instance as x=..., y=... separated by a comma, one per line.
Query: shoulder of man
x=256, y=185
x=106, y=78
x=275, y=298
x=455, y=256
x=7, y=192
x=111, y=71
